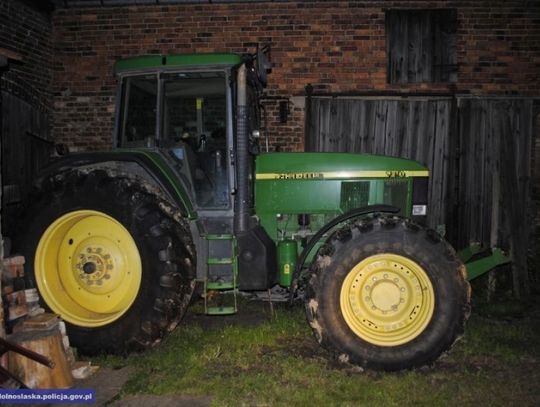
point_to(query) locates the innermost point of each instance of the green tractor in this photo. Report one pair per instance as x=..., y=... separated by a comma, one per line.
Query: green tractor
x=117, y=240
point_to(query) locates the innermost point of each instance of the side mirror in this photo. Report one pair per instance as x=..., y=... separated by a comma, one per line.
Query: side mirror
x=263, y=64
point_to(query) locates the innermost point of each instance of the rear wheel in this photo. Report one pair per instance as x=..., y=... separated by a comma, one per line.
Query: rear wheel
x=109, y=258
x=387, y=294
x=93, y=260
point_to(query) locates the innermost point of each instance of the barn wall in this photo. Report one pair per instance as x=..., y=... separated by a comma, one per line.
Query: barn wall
x=337, y=46
x=26, y=99
x=27, y=31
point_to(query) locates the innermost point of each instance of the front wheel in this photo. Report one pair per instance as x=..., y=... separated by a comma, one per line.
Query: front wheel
x=387, y=294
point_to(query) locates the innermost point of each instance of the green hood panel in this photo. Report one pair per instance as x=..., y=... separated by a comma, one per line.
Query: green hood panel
x=307, y=166
x=325, y=185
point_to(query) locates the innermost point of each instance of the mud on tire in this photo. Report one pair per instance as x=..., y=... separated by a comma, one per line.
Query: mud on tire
x=163, y=242
x=387, y=294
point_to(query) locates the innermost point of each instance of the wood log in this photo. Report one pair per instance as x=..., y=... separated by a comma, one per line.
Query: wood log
x=34, y=375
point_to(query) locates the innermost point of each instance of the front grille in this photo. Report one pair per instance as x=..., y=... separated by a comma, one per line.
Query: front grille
x=395, y=194
x=354, y=195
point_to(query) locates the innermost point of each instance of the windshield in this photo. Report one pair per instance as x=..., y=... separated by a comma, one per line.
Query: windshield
x=194, y=109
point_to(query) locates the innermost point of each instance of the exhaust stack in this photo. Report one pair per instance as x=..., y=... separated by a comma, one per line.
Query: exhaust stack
x=241, y=221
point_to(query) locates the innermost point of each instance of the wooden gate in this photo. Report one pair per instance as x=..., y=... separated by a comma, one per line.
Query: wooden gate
x=478, y=151
x=494, y=178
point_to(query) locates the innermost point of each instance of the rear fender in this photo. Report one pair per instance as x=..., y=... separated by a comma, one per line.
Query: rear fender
x=156, y=173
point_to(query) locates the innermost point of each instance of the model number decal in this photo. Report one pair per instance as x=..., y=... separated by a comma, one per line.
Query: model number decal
x=300, y=175
x=346, y=174
x=396, y=174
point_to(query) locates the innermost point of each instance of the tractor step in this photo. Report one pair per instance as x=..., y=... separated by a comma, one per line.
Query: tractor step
x=221, y=310
x=221, y=275
x=220, y=285
x=224, y=236
x=215, y=262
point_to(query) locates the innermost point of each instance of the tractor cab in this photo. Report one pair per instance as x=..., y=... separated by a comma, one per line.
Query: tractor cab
x=200, y=113
x=183, y=104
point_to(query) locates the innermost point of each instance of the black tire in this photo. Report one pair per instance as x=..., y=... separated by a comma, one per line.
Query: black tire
x=163, y=241
x=370, y=239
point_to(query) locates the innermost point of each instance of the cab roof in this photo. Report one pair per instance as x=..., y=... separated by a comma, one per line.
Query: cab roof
x=154, y=62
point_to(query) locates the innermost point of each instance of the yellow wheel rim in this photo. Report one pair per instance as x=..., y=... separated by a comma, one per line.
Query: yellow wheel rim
x=387, y=299
x=88, y=268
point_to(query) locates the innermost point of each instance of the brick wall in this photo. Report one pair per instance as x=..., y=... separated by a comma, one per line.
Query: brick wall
x=337, y=46
x=27, y=30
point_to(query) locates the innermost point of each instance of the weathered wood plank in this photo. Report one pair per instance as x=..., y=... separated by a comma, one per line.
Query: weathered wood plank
x=25, y=148
x=495, y=170
x=444, y=54
x=397, y=46
x=421, y=45
x=439, y=160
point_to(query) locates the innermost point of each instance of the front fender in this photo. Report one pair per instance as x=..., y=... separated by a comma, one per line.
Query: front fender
x=352, y=214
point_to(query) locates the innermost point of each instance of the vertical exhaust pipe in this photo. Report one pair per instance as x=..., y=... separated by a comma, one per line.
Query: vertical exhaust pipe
x=242, y=210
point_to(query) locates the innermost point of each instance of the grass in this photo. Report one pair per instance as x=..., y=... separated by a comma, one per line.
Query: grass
x=258, y=361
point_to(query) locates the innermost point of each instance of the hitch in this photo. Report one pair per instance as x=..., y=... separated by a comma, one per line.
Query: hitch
x=484, y=264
